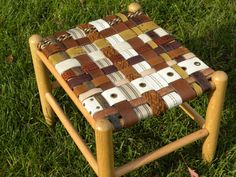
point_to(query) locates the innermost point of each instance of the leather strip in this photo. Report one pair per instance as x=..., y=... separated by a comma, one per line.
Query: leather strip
x=79, y=80
x=202, y=81
x=126, y=111
x=182, y=87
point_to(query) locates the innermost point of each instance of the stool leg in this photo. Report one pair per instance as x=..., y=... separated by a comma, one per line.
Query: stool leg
x=213, y=115
x=42, y=79
x=104, y=146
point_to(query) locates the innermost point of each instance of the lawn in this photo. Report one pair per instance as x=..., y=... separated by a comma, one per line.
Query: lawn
x=28, y=147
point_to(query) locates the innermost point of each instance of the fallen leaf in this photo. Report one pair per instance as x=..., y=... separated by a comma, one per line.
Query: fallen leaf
x=192, y=172
x=9, y=59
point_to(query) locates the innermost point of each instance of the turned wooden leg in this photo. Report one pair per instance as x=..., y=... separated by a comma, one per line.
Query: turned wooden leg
x=104, y=146
x=213, y=115
x=42, y=79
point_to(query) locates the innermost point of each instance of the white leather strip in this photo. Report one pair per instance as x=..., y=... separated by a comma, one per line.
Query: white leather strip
x=160, y=32
x=155, y=81
x=76, y=33
x=66, y=64
x=92, y=105
x=116, y=76
x=141, y=66
x=114, y=39
x=89, y=93
x=141, y=85
x=113, y=96
x=193, y=65
x=129, y=91
x=100, y=24
x=96, y=55
x=143, y=111
x=103, y=63
x=145, y=38
x=169, y=74
x=90, y=48
x=129, y=53
x=172, y=99
x=122, y=46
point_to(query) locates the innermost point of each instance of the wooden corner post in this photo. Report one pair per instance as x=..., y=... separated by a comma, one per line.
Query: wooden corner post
x=42, y=79
x=104, y=146
x=213, y=115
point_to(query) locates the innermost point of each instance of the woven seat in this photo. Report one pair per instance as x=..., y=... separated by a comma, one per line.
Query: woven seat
x=119, y=70
x=126, y=66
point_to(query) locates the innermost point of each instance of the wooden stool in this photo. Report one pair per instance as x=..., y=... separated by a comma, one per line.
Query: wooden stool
x=119, y=70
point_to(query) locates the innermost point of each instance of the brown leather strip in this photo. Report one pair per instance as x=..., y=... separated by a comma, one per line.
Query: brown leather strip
x=202, y=81
x=136, y=42
x=140, y=19
x=53, y=48
x=107, y=85
x=152, y=35
x=121, y=64
x=164, y=40
x=89, y=67
x=109, y=18
x=128, y=114
x=100, y=80
x=79, y=80
x=177, y=52
x=83, y=41
x=69, y=43
x=79, y=89
x=93, y=36
x=108, y=32
x=152, y=57
x=159, y=50
x=179, y=59
x=171, y=46
x=135, y=60
x=68, y=74
x=109, y=51
x=130, y=73
x=160, y=66
x=84, y=59
x=144, y=48
x=119, y=27
x=84, y=26
x=116, y=58
x=183, y=88
x=165, y=90
x=155, y=101
x=109, y=69
x=130, y=24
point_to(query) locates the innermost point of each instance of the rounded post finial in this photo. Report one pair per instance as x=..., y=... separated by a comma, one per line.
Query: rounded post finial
x=134, y=7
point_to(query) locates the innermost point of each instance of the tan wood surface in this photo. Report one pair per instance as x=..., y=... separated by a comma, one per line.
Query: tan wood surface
x=213, y=114
x=42, y=79
x=104, y=146
x=193, y=114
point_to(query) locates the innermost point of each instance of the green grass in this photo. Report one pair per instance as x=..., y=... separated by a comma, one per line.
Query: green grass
x=28, y=147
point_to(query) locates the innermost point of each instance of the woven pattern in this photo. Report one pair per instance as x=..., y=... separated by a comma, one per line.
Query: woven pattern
x=126, y=66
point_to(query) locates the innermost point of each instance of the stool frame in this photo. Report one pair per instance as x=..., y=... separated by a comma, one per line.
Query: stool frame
x=103, y=165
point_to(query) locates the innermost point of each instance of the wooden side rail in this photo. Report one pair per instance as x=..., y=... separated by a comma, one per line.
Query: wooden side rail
x=73, y=133
x=193, y=114
x=161, y=152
